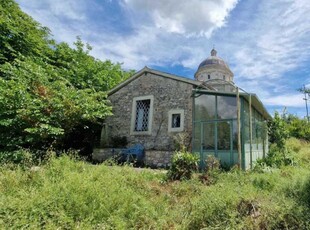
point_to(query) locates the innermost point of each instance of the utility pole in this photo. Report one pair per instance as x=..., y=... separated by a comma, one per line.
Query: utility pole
x=306, y=100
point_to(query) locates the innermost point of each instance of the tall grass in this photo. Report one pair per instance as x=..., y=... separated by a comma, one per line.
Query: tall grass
x=66, y=193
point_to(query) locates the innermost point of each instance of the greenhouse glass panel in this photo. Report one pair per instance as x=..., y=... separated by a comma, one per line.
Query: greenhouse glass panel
x=226, y=107
x=223, y=135
x=197, y=137
x=208, y=136
x=246, y=122
x=235, y=135
x=204, y=107
x=260, y=131
x=254, y=130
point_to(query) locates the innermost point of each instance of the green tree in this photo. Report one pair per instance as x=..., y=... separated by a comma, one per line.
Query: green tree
x=39, y=107
x=84, y=71
x=299, y=128
x=49, y=93
x=20, y=34
x=278, y=132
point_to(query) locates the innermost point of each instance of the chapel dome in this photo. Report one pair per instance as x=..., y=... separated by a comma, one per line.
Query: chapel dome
x=213, y=67
x=213, y=60
x=215, y=72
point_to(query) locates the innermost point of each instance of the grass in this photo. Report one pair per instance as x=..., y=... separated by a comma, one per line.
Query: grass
x=65, y=193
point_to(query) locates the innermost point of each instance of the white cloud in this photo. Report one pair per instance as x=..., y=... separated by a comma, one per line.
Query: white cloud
x=192, y=18
x=289, y=100
x=270, y=49
x=265, y=42
x=166, y=32
x=277, y=40
x=66, y=19
x=70, y=9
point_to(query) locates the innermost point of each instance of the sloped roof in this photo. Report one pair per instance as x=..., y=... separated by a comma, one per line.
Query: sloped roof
x=200, y=86
x=158, y=73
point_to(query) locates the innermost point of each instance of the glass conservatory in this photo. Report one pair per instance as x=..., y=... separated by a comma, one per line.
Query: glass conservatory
x=230, y=126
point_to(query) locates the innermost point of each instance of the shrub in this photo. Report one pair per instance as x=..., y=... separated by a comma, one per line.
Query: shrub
x=182, y=141
x=212, y=163
x=278, y=132
x=211, y=174
x=20, y=157
x=298, y=128
x=277, y=157
x=182, y=166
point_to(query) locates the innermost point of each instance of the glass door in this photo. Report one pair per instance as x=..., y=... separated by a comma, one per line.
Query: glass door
x=217, y=140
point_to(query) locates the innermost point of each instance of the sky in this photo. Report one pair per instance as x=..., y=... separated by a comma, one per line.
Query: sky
x=266, y=43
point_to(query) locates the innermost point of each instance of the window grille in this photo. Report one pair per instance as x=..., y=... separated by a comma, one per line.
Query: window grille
x=142, y=115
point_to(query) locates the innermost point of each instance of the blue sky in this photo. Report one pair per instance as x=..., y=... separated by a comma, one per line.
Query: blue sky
x=265, y=42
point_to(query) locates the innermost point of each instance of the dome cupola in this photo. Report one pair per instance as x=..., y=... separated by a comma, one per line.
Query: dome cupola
x=214, y=71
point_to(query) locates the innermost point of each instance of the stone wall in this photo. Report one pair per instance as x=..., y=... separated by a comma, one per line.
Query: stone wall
x=153, y=158
x=160, y=159
x=168, y=94
x=101, y=154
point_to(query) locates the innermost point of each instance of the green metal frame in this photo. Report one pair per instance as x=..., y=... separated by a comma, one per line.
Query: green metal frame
x=263, y=114
x=242, y=163
x=215, y=122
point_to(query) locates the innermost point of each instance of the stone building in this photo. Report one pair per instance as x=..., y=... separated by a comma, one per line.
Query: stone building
x=210, y=114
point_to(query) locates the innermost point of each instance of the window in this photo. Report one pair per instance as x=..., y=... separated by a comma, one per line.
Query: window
x=142, y=113
x=205, y=107
x=223, y=135
x=224, y=78
x=176, y=120
x=209, y=77
x=226, y=107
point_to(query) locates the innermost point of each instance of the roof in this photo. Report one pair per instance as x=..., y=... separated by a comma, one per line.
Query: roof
x=213, y=62
x=146, y=70
x=199, y=87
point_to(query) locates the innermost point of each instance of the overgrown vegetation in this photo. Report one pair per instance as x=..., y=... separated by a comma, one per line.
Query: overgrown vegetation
x=281, y=151
x=183, y=165
x=67, y=193
x=50, y=94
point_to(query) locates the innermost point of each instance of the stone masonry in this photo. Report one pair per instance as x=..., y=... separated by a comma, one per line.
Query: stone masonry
x=168, y=94
x=153, y=158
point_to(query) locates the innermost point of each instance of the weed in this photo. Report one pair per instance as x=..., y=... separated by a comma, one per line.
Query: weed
x=67, y=193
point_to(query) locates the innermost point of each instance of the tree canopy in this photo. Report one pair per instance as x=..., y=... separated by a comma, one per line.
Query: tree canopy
x=49, y=92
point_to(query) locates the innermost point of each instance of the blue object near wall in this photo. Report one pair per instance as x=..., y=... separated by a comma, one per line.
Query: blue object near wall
x=135, y=153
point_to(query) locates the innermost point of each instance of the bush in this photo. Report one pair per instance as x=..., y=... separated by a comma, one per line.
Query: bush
x=298, y=128
x=278, y=131
x=212, y=163
x=182, y=141
x=183, y=165
x=211, y=174
x=20, y=157
x=277, y=157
